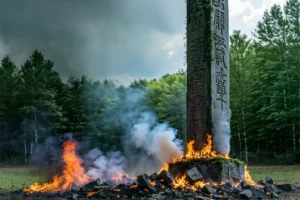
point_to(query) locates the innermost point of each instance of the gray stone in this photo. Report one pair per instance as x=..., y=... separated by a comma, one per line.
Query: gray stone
x=245, y=185
x=259, y=193
x=102, y=187
x=153, y=176
x=238, y=188
x=274, y=195
x=189, y=195
x=286, y=187
x=204, y=103
x=110, y=183
x=158, y=197
x=89, y=187
x=93, y=183
x=246, y=194
x=216, y=196
x=168, y=191
x=144, y=183
x=194, y=175
x=202, y=197
x=269, y=180
x=211, y=171
x=75, y=187
x=75, y=196
x=166, y=177
x=276, y=190
x=209, y=190
x=229, y=185
x=268, y=189
x=178, y=194
x=262, y=182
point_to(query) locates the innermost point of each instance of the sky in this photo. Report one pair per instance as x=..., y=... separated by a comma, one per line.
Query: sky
x=121, y=40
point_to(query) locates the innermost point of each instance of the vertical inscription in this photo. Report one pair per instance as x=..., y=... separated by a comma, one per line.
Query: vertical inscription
x=207, y=78
x=220, y=52
x=198, y=73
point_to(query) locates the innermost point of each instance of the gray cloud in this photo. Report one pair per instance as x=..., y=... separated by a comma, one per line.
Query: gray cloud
x=97, y=38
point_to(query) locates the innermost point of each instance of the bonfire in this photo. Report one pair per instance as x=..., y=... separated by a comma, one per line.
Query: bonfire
x=158, y=185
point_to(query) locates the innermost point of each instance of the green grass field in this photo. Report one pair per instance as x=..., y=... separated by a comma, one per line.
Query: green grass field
x=280, y=174
x=16, y=178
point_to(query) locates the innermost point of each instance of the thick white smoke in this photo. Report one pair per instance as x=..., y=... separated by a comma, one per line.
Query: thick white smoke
x=103, y=166
x=221, y=132
x=147, y=144
x=155, y=144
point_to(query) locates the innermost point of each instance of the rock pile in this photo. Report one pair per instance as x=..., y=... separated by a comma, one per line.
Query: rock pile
x=163, y=186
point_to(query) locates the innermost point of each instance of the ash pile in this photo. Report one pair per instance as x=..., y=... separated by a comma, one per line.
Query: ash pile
x=163, y=186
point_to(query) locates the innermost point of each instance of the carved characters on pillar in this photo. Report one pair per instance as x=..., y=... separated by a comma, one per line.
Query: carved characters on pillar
x=198, y=81
x=219, y=20
x=197, y=92
x=221, y=88
x=197, y=53
x=220, y=50
x=197, y=18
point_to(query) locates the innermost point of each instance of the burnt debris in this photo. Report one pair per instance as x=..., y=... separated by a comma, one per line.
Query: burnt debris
x=164, y=186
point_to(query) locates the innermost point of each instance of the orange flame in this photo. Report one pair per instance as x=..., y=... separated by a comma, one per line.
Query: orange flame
x=89, y=194
x=73, y=173
x=119, y=177
x=206, y=152
x=181, y=182
x=248, y=178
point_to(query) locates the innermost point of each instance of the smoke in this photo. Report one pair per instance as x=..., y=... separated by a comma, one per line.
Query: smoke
x=147, y=144
x=103, y=166
x=46, y=156
x=221, y=132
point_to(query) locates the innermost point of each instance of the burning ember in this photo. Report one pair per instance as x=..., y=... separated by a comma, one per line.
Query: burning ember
x=73, y=173
x=188, y=183
x=206, y=153
x=120, y=178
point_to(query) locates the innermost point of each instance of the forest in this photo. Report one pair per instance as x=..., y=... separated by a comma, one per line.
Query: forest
x=35, y=103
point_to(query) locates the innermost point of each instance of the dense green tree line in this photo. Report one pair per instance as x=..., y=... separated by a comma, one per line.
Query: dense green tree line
x=265, y=98
x=265, y=87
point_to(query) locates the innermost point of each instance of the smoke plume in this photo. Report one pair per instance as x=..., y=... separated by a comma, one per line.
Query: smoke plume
x=147, y=144
x=221, y=132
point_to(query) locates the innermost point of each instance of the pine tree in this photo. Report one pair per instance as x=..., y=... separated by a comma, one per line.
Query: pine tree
x=40, y=110
x=9, y=84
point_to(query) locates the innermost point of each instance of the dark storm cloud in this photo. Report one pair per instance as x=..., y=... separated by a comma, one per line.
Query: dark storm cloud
x=98, y=38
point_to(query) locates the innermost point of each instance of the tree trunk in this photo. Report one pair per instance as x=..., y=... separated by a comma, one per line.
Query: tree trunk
x=25, y=146
x=245, y=134
x=284, y=98
x=240, y=141
x=35, y=128
x=294, y=137
x=31, y=147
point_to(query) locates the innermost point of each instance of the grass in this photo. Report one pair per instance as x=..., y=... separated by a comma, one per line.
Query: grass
x=16, y=178
x=280, y=174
